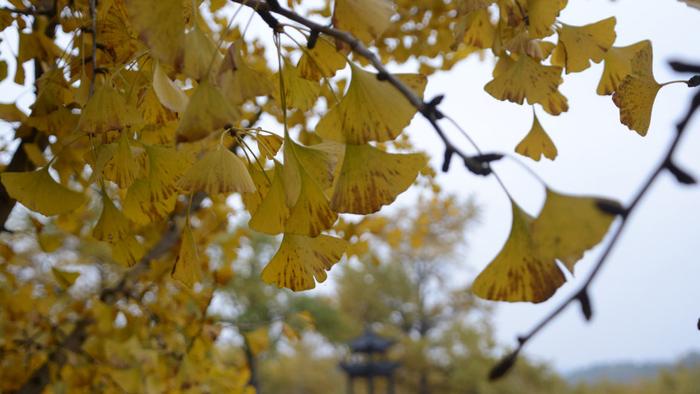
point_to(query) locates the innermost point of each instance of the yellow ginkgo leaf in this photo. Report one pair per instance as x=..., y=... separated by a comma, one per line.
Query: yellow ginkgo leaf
x=568, y=226
x=113, y=225
x=618, y=65
x=299, y=92
x=320, y=62
x=301, y=259
x=172, y=97
x=10, y=113
x=636, y=93
x=319, y=161
x=537, y=143
x=153, y=197
x=524, y=78
x=119, y=162
x=310, y=213
x=38, y=191
x=267, y=204
x=144, y=203
x=127, y=251
x=188, y=263
x=106, y=110
x=268, y=144
x=240, y=81
x=518, y=272
x=257, y=340
x=50, y=241
x=64, y=278
x=201, y=54
x=475, y=29
x=365, y=19
x=34, y=153
x=371, y=110
x=371, y=178
x=218, y=171
x=206, y=112
x=541, y=15
x=579, y=44
x=161, y=25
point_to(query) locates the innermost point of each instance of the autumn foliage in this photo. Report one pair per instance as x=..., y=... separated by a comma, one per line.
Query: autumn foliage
x=143, y=149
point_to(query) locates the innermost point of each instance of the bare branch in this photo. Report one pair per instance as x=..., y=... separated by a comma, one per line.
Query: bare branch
x=581, y=295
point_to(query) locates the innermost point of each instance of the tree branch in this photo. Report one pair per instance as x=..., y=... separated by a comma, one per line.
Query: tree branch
x=581, y=295
x=427, y=109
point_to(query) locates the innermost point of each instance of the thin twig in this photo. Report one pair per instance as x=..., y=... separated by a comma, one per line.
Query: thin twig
x=581, y=294
x=427, y=109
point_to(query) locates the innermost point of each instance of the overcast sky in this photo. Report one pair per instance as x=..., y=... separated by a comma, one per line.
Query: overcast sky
x=646, y=300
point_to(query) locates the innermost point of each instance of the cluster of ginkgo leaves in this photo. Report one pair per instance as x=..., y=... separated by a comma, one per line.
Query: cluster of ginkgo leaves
x=162, y=107
x=146, y=119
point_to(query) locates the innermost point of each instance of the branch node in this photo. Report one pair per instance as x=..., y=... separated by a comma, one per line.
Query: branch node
x=585, y=302
x=612, y=208
x=447, y=158
x=681, y=175
x=504, y=366
x=694, y=81
x=313, y=37
x=382, y=76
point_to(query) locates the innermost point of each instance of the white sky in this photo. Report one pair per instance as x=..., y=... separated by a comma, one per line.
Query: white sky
x=647, y=299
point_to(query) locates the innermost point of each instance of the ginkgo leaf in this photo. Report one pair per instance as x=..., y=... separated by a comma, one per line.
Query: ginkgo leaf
x=106, y=110
x=636, y=93
x=201, y=54
x=153, y=197
x=10, y=113
x=541, y=15
x=579, y=44
x=268, y=145
x=218, y=171
x=568, y=226
x=618, y=65
x=475, y=29
x=299, y=92
x=143, y=204
x=302, y=261
x=524, y=78
x=65, y=278
x=310, y=213
x=188, y=263
x=519, y=272
x=34, y=153
x=119, y=162
x=172, y=97
x=113, y=225
x=127, y=251
x=161, y=25
x=371, y=110
x=319, y=161
x=320, y=62
x=537, y=143
x=267, y=204
x=206, y=112
x=365, y=19
x=239, y=81
x=38, y=191
x=371, y=178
